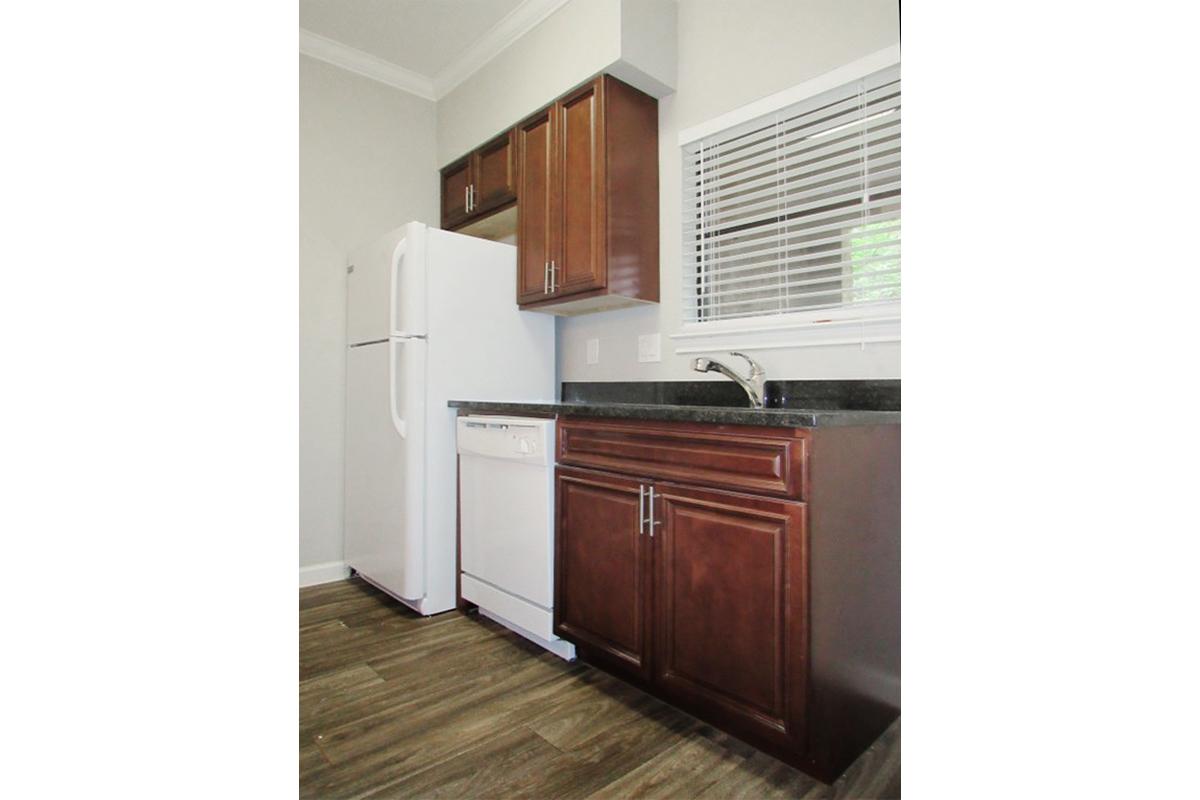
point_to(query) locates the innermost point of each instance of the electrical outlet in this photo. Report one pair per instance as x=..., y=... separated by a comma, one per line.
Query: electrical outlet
x=593, y=351
x=649, y=347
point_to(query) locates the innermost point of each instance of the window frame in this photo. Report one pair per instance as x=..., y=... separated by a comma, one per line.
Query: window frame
x=863, y=323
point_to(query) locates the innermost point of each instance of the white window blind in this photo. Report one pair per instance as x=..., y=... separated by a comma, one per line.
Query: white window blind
x=796, y=211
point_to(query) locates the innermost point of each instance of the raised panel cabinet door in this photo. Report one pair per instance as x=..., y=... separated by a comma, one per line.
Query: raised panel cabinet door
x=455, y=180
x=602, y=566
x=536, y=223
x=731, y=609
x=581, y=265
x=494, y=173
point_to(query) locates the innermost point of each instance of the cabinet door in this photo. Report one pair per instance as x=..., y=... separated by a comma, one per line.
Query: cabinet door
x=455, y=180
x=731, y=609
x=536, y=224
x=494, y=174
x=581, y=264
x=602, y=569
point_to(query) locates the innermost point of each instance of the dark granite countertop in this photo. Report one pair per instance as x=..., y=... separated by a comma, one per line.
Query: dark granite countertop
x=777, y=417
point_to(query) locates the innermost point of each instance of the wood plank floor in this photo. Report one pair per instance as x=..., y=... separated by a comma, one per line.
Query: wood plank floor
x=397, y=705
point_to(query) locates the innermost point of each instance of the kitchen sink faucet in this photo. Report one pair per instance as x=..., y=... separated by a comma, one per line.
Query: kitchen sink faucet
x=753, y=383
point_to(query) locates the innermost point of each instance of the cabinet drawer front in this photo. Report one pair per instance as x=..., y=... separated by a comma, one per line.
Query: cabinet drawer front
x=761, y=461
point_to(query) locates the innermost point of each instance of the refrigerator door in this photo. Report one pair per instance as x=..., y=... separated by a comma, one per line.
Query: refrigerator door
x=385, y=287
x=385, y=469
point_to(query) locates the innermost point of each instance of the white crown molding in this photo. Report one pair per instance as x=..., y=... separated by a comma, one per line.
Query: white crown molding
x=365, y=64
x=518, y=22
x=512, y=27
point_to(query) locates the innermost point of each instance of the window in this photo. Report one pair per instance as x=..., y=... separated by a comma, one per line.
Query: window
x=797, y=212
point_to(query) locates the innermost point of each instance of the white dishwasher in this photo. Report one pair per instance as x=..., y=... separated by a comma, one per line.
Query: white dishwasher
x=506, y=506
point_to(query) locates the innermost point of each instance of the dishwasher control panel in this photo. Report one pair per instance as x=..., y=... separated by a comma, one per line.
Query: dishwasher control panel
x=522, y=439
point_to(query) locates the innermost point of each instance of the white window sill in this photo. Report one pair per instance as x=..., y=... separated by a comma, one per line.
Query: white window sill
x=827, y=328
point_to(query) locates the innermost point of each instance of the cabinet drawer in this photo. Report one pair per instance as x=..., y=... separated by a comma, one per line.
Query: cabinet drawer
x=764, y=461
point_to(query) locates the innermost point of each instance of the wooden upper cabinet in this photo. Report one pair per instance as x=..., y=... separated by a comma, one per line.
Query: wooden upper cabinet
x=535, y=229
x=480, y=182
x=602, y=568
x=456, y=192
x=580, y=264
x=603, y=214
x=583, y=175
x=494, y=174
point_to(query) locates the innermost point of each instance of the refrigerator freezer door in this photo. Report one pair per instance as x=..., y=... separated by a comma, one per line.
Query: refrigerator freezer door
x=385, y=469
x=385, y=287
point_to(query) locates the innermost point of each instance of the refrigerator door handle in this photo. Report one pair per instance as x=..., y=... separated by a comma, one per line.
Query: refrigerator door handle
x=399, y=254
x=397, y=422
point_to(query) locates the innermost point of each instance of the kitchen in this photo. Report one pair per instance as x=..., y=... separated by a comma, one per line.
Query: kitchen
x=544, y=432
x=553, y=347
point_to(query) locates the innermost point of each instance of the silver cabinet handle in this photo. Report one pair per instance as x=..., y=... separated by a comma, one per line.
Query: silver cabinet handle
x=651, y=520
x=467, y=199
x=553, y=288
x=641, y=509
x=472, y=196
x=546, y=278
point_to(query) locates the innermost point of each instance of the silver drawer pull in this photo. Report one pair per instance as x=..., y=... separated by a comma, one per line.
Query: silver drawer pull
x=651, y=521
x=641, y=509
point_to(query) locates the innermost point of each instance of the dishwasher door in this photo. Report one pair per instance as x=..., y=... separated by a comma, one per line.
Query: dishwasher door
x=506, y=499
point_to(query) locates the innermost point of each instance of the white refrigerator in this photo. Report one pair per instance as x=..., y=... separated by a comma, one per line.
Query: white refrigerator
x=431, y=316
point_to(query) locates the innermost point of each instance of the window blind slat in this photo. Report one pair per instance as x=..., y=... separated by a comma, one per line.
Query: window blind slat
x=797, y=298
x=773, y=169
x=798, y=241
x=786, y=185
x=752, y=272
x=764, y=160
x=796, y=126
x=881, y=210
x=738, y=284
x=851, y=192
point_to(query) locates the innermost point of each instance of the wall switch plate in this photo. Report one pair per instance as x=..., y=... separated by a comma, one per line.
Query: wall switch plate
x=649, y=347
x=593, y=351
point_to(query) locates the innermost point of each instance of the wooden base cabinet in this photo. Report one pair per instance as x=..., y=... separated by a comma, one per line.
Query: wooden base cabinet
x=606, y=564
x=774, y=618
x=729, y=611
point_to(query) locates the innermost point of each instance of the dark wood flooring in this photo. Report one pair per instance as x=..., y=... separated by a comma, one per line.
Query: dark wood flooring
x=397, y=705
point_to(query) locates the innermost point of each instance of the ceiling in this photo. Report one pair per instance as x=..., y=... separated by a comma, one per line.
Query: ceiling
x=422, y=36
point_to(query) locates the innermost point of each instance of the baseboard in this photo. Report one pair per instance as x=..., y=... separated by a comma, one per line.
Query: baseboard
x=328, y=572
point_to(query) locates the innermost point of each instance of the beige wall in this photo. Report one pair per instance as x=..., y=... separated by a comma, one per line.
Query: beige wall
x=732, y=53
x=367, y=164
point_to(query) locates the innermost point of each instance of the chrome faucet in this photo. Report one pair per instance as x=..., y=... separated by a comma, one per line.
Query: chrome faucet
x=753, y=384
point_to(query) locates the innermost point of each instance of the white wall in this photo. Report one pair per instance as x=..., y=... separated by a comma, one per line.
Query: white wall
x=582, y=38
x=732, y=53
x=565, y=49
x=367, y=164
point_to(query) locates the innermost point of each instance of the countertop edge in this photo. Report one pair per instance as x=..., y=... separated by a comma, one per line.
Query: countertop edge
x=784, y=418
